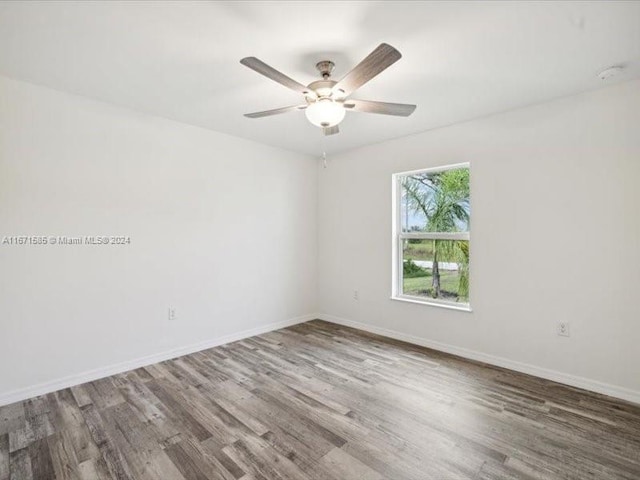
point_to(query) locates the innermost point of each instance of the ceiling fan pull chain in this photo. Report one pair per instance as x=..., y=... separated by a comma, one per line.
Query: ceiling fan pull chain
x=324, y=151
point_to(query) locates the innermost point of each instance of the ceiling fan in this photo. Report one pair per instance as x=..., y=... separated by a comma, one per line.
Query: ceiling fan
x=328, y=100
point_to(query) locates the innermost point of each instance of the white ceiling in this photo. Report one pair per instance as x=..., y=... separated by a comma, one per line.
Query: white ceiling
x=180, y=60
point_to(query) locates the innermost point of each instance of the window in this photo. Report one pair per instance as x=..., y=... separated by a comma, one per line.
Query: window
x=431, y=236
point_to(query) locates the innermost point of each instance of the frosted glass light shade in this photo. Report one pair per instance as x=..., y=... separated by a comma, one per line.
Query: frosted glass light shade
x=325, y=113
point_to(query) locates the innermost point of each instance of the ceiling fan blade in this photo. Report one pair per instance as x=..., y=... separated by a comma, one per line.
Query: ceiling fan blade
x=331, y=130
x=381, y=58
x=275, y=111
x=367, y=106
x=259, y=66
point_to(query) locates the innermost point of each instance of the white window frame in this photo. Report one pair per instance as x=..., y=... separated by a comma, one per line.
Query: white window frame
x=399, y=237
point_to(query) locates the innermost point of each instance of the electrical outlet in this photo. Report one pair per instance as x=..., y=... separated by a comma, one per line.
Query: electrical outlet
x=172, y=314
x=563, y=329
x=355, y=295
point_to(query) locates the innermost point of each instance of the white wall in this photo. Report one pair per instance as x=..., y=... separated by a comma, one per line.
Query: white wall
x=221, y=228
x=555, y=236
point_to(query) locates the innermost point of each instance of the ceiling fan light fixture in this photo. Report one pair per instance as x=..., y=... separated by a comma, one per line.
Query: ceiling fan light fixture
x=325, y=113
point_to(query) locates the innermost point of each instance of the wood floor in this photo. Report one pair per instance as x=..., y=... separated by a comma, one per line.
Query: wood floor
x=323, y=402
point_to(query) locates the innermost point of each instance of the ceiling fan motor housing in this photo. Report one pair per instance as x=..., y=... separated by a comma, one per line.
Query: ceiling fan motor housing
x=323, y=88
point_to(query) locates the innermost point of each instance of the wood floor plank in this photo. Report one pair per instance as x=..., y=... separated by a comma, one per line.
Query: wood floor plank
x=173, y=407
x=133, y=439
x=110, y=454
x=63, y=456
x=318, y=401
x=41, y=464
x=348, y=467
x=83, y=445
x=103, y=393
x=20, y=465
x=4, y=457
x=20, y=438
x=11, y=417
x=94, y=469
x=81, y=395
x=213, y=450
x=138, y=395
x=256, y=456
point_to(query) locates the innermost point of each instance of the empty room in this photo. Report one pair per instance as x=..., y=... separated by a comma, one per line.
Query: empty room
x=319, y=240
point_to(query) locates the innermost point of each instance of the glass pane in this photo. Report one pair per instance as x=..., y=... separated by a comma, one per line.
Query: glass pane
x=436, y=269
x=435, y=201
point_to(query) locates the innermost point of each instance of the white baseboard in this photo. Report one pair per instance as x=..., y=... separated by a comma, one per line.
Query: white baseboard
x=560, y=377
x=90, y=375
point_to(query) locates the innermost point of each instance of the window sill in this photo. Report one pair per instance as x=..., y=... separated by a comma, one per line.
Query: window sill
x=461, y=308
